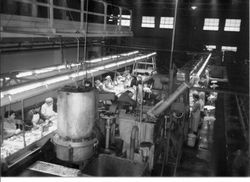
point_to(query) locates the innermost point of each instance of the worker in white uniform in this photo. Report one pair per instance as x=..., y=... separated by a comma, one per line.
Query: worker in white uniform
x=108, y=83
x=202, y=103
x=195, y=114
x=47, y=111
x=10, y=124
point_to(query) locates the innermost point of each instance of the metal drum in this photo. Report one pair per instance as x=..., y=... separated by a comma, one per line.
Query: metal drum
x=74, y=140
x=76, y=114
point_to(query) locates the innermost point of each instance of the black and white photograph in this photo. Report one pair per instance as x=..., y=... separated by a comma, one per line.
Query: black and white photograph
x=116, y=90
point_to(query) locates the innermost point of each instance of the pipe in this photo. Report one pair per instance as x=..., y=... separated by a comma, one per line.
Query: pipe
x=204, y=65
x=162, y=105
x=133, y=137
x=108, y=123
x=172, y=50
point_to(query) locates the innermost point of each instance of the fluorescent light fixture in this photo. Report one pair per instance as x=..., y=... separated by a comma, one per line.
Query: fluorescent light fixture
x=55, y=80
x=94, y=60
x=24, y=74
x=77, y=74
x=61, y=67
x=115, y=57
x=121, y=62
x=40, y=71
x=73, y=75
x=130, y=53
x=75, y=64
x=23, y=88
x=110, y=65
x=31, y=86
x=99, y=68
x=45, y=70
x=91, y=71
x=111, y=57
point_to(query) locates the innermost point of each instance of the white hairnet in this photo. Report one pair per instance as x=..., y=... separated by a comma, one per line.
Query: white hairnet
x=49, y=99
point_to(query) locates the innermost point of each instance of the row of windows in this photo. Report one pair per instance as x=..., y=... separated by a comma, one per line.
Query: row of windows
x=209, y=23
x=223, y=48
x=125, y=21
x=165, y=22
x=232, y=25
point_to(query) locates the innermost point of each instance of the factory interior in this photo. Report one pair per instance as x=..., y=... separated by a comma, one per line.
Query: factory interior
x=124, y=88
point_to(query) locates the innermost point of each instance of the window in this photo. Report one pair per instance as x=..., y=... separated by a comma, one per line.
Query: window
x=232, y=25
x=111, y=18
x=167, y=22
x=148, y=21
x=210, y=47
x=125, y=21
x=228, y=48
x=211, y=24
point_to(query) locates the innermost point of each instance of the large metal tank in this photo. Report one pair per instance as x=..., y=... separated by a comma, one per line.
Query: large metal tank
x=74, y=140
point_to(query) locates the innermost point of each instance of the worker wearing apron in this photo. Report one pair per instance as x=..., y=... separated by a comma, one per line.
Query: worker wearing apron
x=195, y=114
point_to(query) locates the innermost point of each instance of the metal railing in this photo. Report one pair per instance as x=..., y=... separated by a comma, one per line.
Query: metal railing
x=81, y=14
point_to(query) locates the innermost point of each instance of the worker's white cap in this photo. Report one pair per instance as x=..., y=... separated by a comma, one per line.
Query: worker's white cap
x=108, y=77
x=49, y=99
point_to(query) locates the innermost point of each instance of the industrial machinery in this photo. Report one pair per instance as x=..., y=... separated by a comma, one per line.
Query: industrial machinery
x=74, y=139
x=148, y=133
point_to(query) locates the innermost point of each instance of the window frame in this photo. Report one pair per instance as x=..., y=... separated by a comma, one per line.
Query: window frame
x=210, y=47
x=229, y=48
x=166, y=22
x=211, y=25
x=127, y=18
x=232, y=25
x=144, y=24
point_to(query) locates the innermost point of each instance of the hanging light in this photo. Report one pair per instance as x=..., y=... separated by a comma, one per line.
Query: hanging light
x=193, y=7
x=24, y=74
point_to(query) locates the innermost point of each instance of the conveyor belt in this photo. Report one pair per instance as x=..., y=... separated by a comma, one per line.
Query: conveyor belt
x=54, y=169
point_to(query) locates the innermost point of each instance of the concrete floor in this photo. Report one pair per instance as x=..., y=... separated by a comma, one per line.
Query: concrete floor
x=198, y=161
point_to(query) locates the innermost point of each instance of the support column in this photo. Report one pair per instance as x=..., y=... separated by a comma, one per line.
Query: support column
x=120, y=18
x=82, y=14
x=24, y=9
x=34, y=10
x=130, y=27
x=10, y=7
x=105, y=16
x=51, y=14
x=63, y=13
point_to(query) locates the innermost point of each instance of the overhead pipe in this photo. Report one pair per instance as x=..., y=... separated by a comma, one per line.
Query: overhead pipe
x=163, y=105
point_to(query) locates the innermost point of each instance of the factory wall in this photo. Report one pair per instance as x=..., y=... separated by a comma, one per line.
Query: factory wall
x=190, y=35
x=26, y=60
